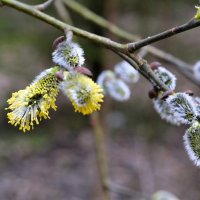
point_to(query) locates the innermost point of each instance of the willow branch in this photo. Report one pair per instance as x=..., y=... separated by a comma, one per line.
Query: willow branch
x=166, y=34
x=117, y=47
x=101, y=154
x=44, y=5
x=183, y=67
x=142, y=66
x=133, y=64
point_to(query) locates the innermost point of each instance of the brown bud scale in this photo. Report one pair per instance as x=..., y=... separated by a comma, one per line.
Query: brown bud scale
x=167, y=94
x=83, y=70
x=155, y=65
x=59, y=75
x=57, y=41
x=153, y=94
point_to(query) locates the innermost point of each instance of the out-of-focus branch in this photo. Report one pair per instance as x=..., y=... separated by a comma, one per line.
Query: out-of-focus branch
x=91, y=16
x=62, y=11
x=121, y=190
x=44, y=5
x=183, y=67
x=101, y=154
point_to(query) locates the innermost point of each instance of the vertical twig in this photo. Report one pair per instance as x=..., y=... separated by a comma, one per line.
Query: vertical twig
x=101, y=155
x=62, y=12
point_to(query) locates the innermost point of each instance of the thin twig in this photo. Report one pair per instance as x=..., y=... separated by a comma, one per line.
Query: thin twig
x=132, y=47
x=62, y=11
x=143, y=52
x=132, y=63
x=44, y=5
x=143, y=65
x=101, y=154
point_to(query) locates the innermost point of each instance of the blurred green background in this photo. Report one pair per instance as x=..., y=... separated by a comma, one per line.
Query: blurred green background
x=57, y=159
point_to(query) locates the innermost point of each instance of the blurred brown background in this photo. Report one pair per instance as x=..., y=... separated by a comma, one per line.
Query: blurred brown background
x=57, y=160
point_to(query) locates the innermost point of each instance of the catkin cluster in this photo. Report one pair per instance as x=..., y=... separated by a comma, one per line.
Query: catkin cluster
x=180, y=108
x=29, y=106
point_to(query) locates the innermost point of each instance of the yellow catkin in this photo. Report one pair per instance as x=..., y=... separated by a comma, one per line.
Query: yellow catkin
x=30, y=105
x=84, y=93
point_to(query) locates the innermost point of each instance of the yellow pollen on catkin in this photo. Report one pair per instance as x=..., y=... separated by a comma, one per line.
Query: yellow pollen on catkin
x=27, y=107
x=84, y=93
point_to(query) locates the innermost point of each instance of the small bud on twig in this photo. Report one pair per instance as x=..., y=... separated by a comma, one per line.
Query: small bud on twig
x=59, y=75
x=155, y=65
x=83, y=70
